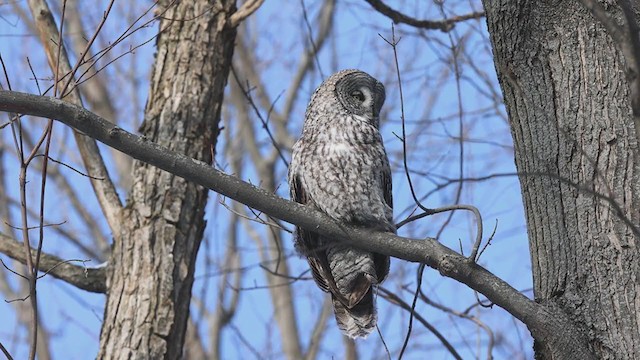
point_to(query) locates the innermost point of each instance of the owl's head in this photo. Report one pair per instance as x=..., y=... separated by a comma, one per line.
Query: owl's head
x=359, y=92
x=354, y=91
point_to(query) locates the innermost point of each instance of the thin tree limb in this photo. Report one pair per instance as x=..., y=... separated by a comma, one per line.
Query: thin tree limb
x=395, y=299
x=443, y=25
x=5, y=352
x=248, y=8
x=89, y=279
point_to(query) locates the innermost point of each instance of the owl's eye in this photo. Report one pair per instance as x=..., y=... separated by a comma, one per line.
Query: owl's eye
x=358, y=95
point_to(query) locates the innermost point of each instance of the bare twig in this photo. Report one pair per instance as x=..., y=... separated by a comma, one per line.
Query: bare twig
x=443, y=25
x=324, y=28
x=72, y=74
x=246, y=61
x=472, y=258
x=395, y=299
x=479, y=227
x=31, y=269
x=493, y=233
x=310, y=36
x=95, y=92
x=33, y=227
x=394, y=45
x=69, y=167
x=615, y=205
x=14, y=272
x=76, y=202
x=384, y=343
x=412, y=312
x=35, y=78
x=5, y=352
x=256, y=218
x=464, y=315
x=299, y=277
x=265, y=123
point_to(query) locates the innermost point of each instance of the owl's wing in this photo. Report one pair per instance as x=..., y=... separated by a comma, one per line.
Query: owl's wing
x=386, y=186
x=382, y=262
x=315, y=250
x=309, y=242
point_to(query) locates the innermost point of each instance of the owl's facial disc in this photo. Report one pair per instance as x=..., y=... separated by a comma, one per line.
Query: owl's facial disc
x=360, y=94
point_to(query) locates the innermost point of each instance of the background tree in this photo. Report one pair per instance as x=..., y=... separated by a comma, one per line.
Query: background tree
x=576, y=147
x=568, y=73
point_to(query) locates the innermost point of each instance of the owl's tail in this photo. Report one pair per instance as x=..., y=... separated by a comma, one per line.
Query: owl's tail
x=358, y=321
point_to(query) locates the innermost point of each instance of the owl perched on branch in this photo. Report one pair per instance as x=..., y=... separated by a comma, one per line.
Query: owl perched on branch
x=339, y=165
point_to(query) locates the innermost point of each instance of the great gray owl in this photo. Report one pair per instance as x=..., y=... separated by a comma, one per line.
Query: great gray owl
x=339, y=165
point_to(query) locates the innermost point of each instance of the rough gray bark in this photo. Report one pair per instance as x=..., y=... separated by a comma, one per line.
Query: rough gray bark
x=576, y=147
x=152, y=264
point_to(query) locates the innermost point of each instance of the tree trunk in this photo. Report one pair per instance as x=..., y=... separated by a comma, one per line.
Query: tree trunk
x=577, y=154
x=152, y=264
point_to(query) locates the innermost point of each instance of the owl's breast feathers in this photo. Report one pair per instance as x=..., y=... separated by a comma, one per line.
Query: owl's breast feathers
x=347, y=176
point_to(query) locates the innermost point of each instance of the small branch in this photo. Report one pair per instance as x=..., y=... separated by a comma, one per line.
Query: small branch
x=13, y=271
x=265, y=123
x=443, y=25
x=464, y=315
x=33, y=227
x=68, y=167
x=248, y=8
x=473, y=209
x=285, y=276
x=394, y=299
x=412, y=312
x=310, y=36
x=5, y=352
x=89, y=279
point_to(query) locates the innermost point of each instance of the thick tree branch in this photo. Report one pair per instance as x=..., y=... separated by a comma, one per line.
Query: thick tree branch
x=443, y=25
x=545, y=323
x=89, y=279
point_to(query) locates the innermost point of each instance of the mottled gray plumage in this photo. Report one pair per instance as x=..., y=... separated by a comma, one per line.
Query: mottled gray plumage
x=339, y=165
